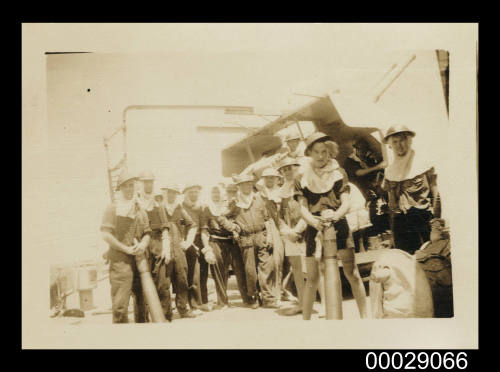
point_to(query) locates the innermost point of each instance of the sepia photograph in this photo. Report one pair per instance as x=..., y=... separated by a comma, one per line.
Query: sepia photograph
x=233, y=186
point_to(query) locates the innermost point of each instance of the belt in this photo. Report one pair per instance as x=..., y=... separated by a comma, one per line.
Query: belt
x=218, y=237
x=253, y=229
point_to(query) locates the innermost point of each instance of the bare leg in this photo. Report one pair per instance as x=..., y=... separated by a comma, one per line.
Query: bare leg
x=298, y=277
x=309, y=292
x=351, y=272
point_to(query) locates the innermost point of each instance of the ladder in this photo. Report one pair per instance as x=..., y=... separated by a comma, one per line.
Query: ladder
x=114, y=171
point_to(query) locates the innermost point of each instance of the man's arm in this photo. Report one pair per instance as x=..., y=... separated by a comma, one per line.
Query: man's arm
x=306, y=215
x=365, y=171
x=109, y=238
x=344, y=207
x=435, y=197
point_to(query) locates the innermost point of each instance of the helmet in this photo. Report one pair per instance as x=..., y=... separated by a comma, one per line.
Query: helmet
x=124, y=177
x=397, y=129
x=270, y=172
x=245, y=178
x=191, y=186
x=146, y=175
x=173, y=187
x=286, y=162
x=315, y=137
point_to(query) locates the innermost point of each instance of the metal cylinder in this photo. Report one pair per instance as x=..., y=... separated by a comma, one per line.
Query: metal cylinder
x=333, y=289
x=310, y=287
x=149, y=290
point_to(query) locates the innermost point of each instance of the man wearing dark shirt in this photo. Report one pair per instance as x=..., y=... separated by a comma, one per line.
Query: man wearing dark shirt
x=124, y=222
x=182, y=230
x=362, y=168
x=159, y=248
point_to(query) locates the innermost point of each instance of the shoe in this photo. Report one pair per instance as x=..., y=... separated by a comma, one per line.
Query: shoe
x=169, y=316
x=206, y=307
x=188, y=314
x=254, y=306
x=221, y=306
x=197, y=312
x=292, y=311
x=285, y=296
x=271, y=305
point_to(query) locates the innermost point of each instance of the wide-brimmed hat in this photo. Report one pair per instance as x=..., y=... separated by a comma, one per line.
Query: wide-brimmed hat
x=270, y=172
x=173, y=187
x=315, y=137
x=397, y=129
x=124, y=177
x=191, y=186
x=244, y=178
x=286, y=162
x=146, y=175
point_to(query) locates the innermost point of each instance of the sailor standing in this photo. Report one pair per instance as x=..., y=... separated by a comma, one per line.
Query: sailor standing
x=220, y=241
x=323, y=189
x=250, y=228
x=292, y=227
x=160, y=246
x=411, y=183
x=199, y=251
x=183, y=231
x=270, y=193
x=122, y=222
x=226, y=221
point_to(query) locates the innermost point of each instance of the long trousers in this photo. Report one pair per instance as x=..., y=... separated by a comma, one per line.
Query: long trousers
x=411, y=230
x=259, y=267
x=162, y=277
x=125, y=282
x=217, y=271
x=180, y=279
x=238, y=268
x=193, y=277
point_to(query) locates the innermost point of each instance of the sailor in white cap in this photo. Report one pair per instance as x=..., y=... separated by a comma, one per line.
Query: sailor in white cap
x=250, y=229
x=410, y=181
x=291, y=227
x=160, y=250
x=183, y=231
x=122, y=223
x=196, y=254
x=270, y=193
x=323, y=193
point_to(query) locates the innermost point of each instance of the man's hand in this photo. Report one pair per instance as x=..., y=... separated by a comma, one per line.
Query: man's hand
x=317, y=223
x=290, y=234
x=184, y=245
x=208, y=254
x=131, y=250
x=382, y=165
x=293, y=236
x=166, y=256
x=139, y=247
x=269, y=239
x=165, y=252
x=236, y=235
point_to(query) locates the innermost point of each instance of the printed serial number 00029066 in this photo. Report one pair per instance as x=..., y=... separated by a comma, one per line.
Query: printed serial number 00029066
x=411, y=360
